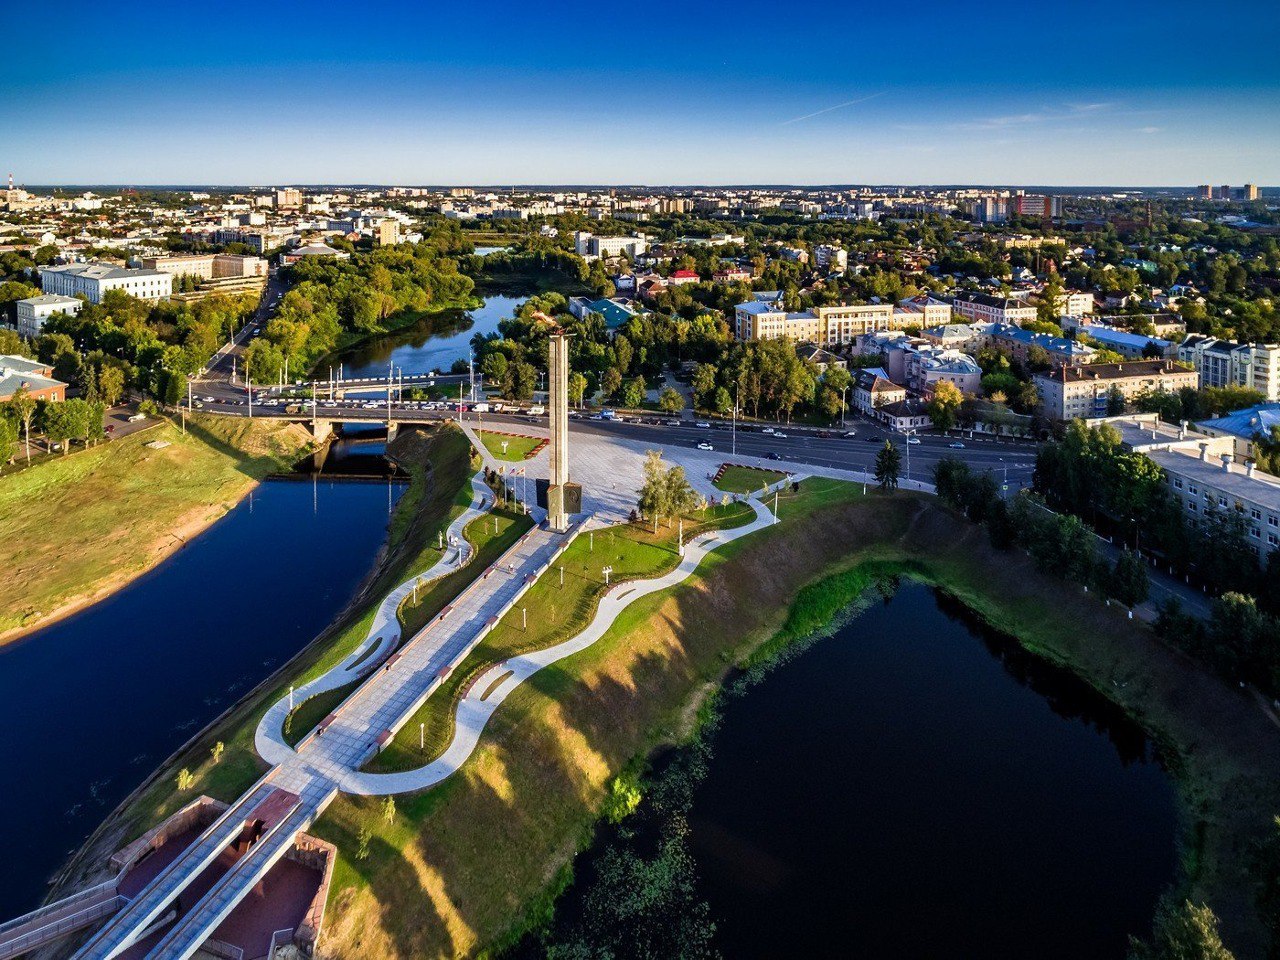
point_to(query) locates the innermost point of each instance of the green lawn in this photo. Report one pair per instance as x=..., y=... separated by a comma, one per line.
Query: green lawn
x=738, y=479
x=509, y=446
x=555, y=613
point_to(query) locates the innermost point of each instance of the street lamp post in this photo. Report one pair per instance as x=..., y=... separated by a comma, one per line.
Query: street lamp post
x=606, y=572
x=844, y=392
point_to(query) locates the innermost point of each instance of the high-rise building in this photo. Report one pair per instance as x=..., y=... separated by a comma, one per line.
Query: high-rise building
x=290, y=198
x=1035, y=205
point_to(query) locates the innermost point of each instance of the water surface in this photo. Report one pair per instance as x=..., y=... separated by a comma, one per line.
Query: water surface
x=918, y=785
x=91, y=705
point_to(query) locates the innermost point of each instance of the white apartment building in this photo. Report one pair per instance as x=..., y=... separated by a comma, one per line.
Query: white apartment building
x=830, y=258
x=93, y=280
x=34, y=311
x=590, y=247
x=1222, y=363
x=1205, y=477
x=1075, y=303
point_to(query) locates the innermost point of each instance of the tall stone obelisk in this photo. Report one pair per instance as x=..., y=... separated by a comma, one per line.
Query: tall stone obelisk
x=558, y=505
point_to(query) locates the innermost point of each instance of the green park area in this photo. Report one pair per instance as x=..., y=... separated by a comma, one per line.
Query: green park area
x=76, y=527
x=559, y=605
x=509, y=446
x=738, y=479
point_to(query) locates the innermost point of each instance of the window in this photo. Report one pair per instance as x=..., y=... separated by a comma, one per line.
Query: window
x=1222, y=501
x=1255, y=513
x=1253, y=532
x=1272, y=539
x=1191, y=488
x=1177, y=484
x=1191, y=506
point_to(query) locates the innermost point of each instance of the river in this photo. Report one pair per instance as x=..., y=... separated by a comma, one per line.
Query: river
x=918, y=786
x=433, y=344
x=92, y=704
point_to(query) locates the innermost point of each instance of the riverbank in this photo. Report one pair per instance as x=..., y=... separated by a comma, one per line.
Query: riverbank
x=391, y=326
x=75, y=529
x=439, y=466
x=480, y=858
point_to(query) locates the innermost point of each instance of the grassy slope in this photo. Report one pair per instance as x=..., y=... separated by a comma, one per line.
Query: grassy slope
x=467, y=864
x=440, y=469
x=75, y=527
x=555, y=613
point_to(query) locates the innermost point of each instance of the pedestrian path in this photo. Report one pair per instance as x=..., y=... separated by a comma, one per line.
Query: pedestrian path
x=383, y=635
x=480, y=703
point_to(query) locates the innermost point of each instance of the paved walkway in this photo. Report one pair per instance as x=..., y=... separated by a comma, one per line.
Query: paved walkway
x=384, y=632
x=475, y=709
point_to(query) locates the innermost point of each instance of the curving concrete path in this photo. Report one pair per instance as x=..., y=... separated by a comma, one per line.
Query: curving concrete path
x=383, y=635
x=473, y=712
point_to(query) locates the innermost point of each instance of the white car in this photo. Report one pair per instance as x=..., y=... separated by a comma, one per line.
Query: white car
x=913, y=440
x=779, y=433
x=705, y=446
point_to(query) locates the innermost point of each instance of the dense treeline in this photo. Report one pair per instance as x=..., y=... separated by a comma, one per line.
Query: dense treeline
x=334, y=302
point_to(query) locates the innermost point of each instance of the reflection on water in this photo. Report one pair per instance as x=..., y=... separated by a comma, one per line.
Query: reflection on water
x=431, y=345
x=358, y=450
x=940, y=791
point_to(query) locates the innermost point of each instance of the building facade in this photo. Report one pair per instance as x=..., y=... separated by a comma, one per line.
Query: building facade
x=984, y=307
x=1067, y=392
x=34, y=311
x=1222, y=363
x=93, y=280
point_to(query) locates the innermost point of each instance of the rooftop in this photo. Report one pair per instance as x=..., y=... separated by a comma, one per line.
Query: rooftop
x=1131, y=369
x=1246, y=423
x=1105, y=334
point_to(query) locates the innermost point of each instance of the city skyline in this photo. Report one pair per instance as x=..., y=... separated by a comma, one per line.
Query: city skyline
x=699, y=95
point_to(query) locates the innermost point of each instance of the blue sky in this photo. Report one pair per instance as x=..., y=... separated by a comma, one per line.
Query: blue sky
x=568, y=92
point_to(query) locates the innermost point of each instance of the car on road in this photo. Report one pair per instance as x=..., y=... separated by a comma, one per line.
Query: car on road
x=913, y=440
x=774, y=455
x=956, y=446
x=851, y=433
x=870, y=439
x=705, y=446
x=823, y=434
x=767, y=430
x=671, y=423
x=702, y=425
x=779, y=433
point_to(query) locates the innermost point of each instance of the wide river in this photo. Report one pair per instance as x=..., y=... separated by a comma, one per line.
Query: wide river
x=918, y=785
x=90, y=705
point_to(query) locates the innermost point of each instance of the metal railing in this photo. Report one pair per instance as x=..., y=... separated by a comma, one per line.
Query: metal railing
x=53, y=929
x=281, y=938
x=78, y=897
x=218, y=948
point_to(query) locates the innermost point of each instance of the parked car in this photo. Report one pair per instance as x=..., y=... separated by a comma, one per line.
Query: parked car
x=823, y=434
x=705, y=446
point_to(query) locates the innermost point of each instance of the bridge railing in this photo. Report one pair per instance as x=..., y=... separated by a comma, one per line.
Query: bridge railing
x=89, y=893
x=17, y=944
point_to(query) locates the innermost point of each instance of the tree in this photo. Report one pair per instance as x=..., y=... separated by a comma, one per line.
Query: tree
x=110, y=384
x=633, y=392
x=665, y=493
x=611, y=381
x=671, y=400
x=62, y=423
x=944, y=406
x=577, y=388
x=24, y=406
x=888, y=466
x=186, y=780
x=1182, y=932
x=8, y=440
x=1115, y=402
x=704, y=383
x=1129, y=581
x=494, y=366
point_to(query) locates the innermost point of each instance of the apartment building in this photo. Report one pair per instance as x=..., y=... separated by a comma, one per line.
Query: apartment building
x=93, y=280
x=290, y=198
x=34, y=311
x=1075, y=303
x=983, y=306
x=830, y=258
x=1205, y=476
x=1244, y=427
x=825, y=326
x=1070, y=391
x=1019, y=343
x=591, y=247
x=1133, y=346
x=1223, y=363
x=208, y=266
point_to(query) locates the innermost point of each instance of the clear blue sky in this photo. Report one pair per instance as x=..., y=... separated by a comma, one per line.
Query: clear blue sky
x=566, y=92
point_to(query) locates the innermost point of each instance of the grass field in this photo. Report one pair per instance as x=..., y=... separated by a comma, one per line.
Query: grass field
x=517, y=447
x=76, y=527
x=553, y=612
x=739, y=479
